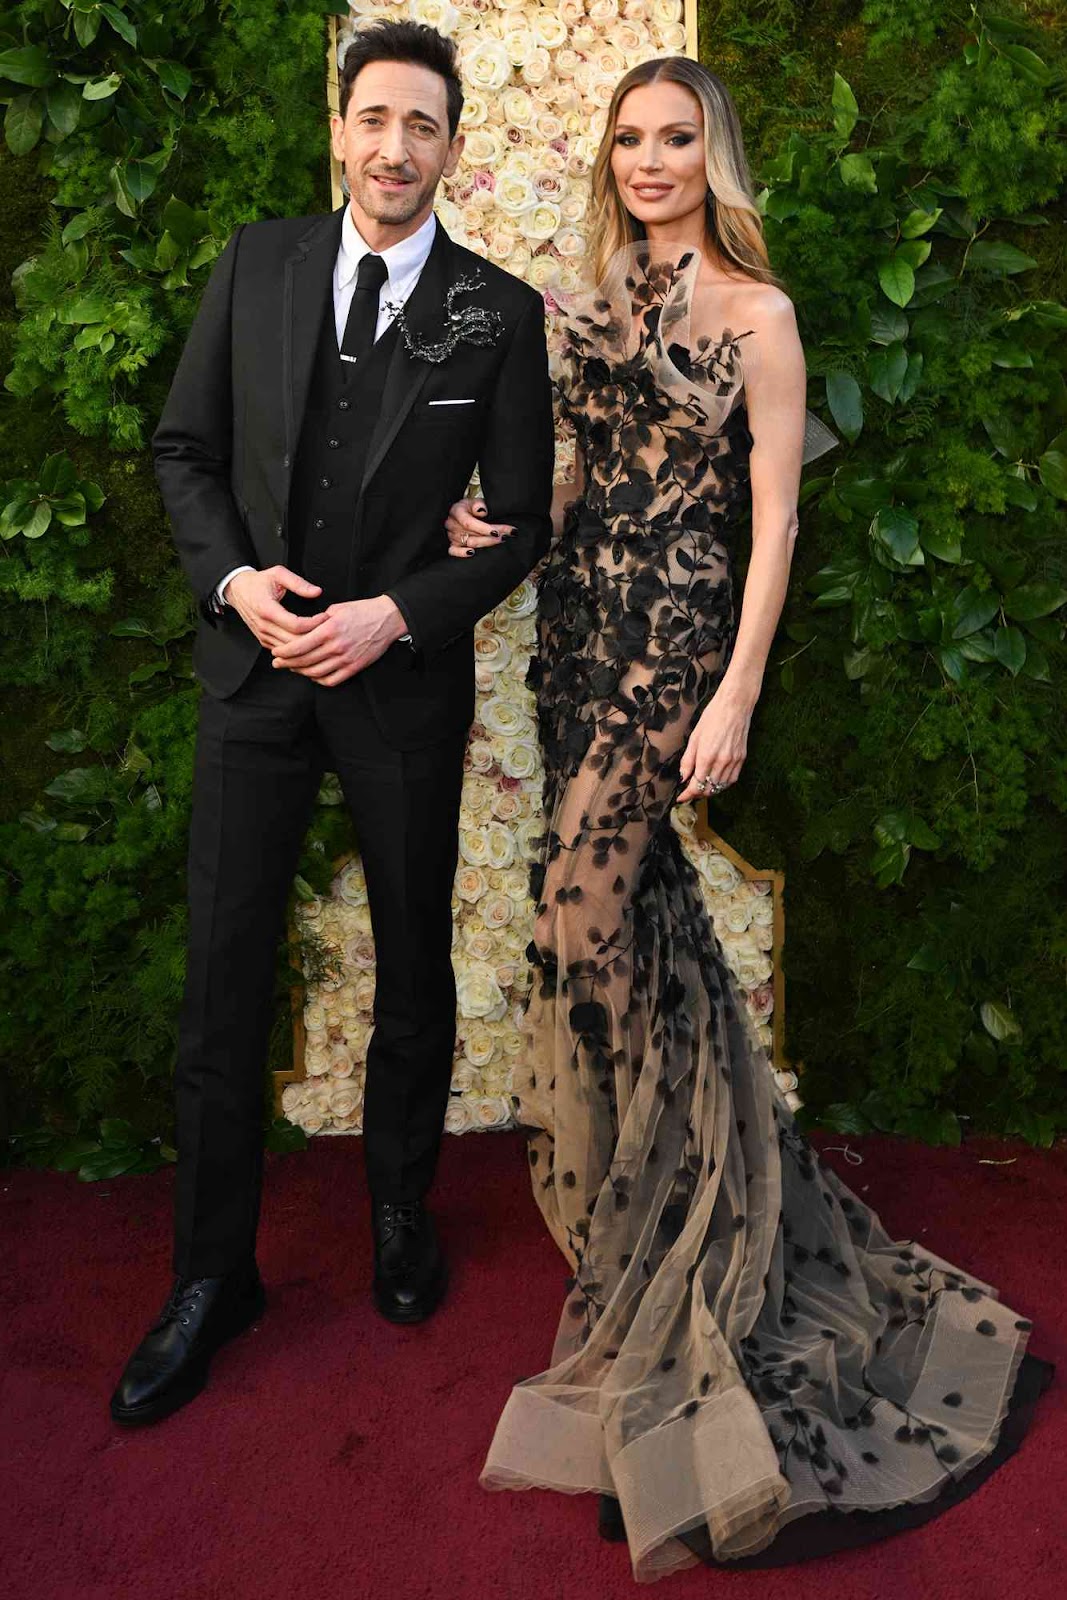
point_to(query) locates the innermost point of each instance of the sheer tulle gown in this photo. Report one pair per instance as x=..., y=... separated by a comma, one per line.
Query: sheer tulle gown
x=742, y=1344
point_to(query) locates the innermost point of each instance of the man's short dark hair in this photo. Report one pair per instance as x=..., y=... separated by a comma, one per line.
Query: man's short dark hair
x=412, y=42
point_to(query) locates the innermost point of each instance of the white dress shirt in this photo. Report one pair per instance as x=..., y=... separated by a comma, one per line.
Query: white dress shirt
x=403, y=263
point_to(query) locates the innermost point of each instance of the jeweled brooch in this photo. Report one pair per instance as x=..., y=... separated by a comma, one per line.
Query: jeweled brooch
x=469, y=325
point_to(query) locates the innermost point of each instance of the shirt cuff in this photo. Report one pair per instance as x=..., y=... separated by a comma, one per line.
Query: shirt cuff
x=405, y=638
x=219, y=597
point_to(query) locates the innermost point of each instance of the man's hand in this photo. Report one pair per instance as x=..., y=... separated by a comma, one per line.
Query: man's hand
x=345, y=639
x=256, y=596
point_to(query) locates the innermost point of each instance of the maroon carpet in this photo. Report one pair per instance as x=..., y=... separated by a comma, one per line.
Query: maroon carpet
x=335, y=1456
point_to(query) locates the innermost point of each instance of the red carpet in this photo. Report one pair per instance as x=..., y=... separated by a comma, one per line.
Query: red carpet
x=336, y=1456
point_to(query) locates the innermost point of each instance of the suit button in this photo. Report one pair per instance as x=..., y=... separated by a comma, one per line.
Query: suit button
x=286, y=462
x=343, y=405
x=320, y=522
x=278, y=529
x=333, y=444
x=325, y=483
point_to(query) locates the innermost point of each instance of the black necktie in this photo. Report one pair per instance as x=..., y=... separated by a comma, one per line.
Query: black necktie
x=363, y=313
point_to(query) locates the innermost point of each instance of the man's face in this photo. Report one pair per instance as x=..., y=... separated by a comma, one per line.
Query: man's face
x=395, y=147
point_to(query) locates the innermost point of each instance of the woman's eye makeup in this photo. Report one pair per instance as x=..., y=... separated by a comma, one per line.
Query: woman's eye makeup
x=628, y=140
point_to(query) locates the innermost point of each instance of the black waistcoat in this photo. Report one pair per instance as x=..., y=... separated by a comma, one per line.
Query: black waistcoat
x=342, y=407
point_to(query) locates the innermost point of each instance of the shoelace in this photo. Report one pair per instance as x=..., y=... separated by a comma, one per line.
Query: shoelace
x=404, y=1215
x=180, y=1300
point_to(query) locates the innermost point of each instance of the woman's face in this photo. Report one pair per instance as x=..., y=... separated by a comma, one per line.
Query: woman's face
x=658, y=155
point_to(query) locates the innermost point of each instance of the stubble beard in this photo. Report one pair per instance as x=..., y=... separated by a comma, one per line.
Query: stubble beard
x=395, y=208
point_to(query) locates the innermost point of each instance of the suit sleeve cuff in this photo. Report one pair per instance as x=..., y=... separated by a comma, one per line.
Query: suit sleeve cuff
x=218, y=597
x=408, y=638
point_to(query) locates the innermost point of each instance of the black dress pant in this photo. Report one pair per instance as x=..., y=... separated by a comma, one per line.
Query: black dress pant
x=260, y=758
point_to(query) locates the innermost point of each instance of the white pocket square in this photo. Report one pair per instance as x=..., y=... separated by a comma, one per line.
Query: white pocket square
x=450, y=402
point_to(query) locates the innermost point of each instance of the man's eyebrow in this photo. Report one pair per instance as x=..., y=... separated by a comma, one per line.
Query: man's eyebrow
x=409, y=116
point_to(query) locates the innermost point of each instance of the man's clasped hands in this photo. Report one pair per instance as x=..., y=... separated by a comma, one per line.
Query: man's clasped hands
x=329, y=647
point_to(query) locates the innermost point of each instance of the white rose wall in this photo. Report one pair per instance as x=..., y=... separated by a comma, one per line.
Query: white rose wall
x=538, y=79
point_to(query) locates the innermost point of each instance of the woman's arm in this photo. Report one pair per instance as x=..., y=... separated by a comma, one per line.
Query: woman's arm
x=468, y=533
x=776, y=397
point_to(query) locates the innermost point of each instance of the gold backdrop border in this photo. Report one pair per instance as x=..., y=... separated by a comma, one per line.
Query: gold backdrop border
x=704, y=830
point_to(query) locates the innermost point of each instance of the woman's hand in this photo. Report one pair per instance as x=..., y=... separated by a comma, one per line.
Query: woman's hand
x=468, y=533
x=717, y=746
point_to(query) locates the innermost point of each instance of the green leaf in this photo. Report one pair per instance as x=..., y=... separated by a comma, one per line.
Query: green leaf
x=886, y=369
x=102, y=88
x=69, y=741
x=78, y=226
x=86, y=27
x=1052, y=470
x=926, y=959
x=952, y=661
x=116, y=1131
x=888, y=324
x=81, y=786
x=121, y=23
x=972, y=608
x=944, y=545
x=64, y=105
x=911, y=376
x=897, y=278
x=146, y=671
x=845, y=107
x=1036, y=599
x=1036, y=1127
x=845, y=402
x=993, y=255
x=37, y=821
x=1025, y=61
x=857, y=172
x=1036, y=666
x=898, y=532
x=998, y=1021
x=844, y=1118
x=176, y=79
x=71, y=832
x=22, y=123
x=932, y=282
x=285, y=1137
x=40, y=522
x=1010, y=648
x=914, y=251
x=131, y=628
x=918, y=222
x=108, y=1164
x=1004, y=434
x=70, y=1156
x=140, y=179
x=28, y=65
x=58, y=475
x=1012, y=355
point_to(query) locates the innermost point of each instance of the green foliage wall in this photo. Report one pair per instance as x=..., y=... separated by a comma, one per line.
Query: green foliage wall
x=907, y=763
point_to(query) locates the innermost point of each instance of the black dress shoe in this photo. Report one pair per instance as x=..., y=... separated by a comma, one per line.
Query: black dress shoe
x=170, y=1365
x=410, y=1276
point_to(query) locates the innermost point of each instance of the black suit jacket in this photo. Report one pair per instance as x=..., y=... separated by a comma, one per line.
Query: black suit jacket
x=227, y=440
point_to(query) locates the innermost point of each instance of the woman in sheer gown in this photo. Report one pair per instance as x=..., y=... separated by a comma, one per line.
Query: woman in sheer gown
x=744, y=1354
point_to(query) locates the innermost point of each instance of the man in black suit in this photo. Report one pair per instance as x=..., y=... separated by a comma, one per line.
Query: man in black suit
x=342, y=379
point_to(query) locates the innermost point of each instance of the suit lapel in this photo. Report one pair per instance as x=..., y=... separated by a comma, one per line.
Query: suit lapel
x=424, y=314
x=308, y=287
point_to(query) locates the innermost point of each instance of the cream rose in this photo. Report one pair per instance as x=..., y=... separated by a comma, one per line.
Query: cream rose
x=475, y=110
x=507, y=807
x=491, y=1112
x=466, y=1079
x=480, y=755
x=437, y=14
x=515, y=195
x=485, y=62
x=470, y=884
x=479, y=1046
x=517, y=107
x=496, y=911
x=478, y=942
x=671, y=36
x=458, y=1118
x=537, y=66
x=474, y=846
x=345, y=1098
x=479, y=995
x=483, y=148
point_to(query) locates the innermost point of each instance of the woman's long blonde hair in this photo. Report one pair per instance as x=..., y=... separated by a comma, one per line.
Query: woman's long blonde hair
x=734, y=225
